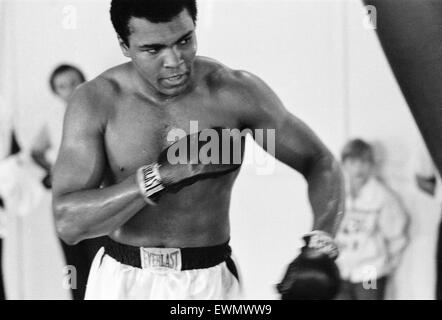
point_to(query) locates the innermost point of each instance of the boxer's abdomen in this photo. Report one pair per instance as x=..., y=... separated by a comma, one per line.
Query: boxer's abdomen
x=196, y=216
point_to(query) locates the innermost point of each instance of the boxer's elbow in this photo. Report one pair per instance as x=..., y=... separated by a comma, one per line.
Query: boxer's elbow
x=66, y=234
x=67, y=227
x=322, y=164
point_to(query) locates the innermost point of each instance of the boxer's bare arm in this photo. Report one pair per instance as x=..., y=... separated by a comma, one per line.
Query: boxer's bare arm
x=82, y=210
x=297, y=146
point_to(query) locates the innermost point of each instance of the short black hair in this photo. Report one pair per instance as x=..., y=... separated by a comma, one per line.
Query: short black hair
x=155, y=11
x=358, y=149
x=62, y=69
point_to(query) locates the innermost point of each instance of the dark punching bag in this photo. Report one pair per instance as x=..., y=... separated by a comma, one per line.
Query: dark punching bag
x=410, y=32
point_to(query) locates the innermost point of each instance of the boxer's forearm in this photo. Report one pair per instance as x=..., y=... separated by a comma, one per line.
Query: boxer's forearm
x=91, y=213
x=326, y=194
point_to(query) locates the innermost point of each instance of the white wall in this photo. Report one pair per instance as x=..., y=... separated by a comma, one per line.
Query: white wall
x=316, y=55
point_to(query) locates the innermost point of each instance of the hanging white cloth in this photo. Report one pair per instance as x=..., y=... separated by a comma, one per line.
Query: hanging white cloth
x=20, y=187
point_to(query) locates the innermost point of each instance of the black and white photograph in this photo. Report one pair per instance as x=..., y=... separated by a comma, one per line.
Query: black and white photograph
x=220, y=150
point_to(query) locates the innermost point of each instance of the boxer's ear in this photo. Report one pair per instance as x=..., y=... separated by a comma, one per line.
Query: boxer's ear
x=124, y=47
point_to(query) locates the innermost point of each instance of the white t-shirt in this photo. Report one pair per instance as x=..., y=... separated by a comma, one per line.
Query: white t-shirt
x=20, y=189
x=50, y=134
x=5, y=147
x=372, y=235
x=5, y=128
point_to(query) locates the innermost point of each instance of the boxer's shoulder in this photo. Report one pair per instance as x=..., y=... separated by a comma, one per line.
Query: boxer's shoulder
x=113, y=82
x=221, y=79
x=102, y=91
x=234, y=82
x=249, y=96
x=92, y=100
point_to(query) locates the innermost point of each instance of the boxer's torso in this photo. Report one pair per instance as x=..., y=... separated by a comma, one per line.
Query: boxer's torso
x=136, y=132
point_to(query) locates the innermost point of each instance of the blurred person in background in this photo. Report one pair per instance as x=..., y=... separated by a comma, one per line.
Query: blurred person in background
x=63, y=81
x=372, y=235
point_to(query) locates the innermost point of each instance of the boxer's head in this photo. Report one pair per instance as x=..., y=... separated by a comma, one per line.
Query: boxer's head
x=159, y=37
x=358, y=162
x=64, y=80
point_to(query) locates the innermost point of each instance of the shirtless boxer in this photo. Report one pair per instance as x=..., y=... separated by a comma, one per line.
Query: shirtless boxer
x=168, y=237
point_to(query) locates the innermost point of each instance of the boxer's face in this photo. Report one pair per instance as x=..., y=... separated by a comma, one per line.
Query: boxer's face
x=358, y=171
x=65, y=83
x=163, y=53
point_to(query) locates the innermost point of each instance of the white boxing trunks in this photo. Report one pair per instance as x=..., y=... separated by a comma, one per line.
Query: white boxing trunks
x=121, y=272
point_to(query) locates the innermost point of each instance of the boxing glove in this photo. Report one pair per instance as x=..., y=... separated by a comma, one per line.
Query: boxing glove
x=202, y=155
x=313, y=275
x=195, y=157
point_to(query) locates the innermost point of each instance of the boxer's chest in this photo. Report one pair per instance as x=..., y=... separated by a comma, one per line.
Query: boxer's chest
x=138, y=131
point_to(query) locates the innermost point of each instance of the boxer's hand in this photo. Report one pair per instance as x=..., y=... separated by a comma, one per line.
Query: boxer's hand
x=200, y=155
x=313, y=275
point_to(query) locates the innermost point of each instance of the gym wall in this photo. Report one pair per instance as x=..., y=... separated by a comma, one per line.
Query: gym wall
x=326, y=67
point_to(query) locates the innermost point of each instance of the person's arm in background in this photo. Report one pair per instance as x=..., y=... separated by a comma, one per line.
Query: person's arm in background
x=39, y=153
x=40, y=147
x=394, y=224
